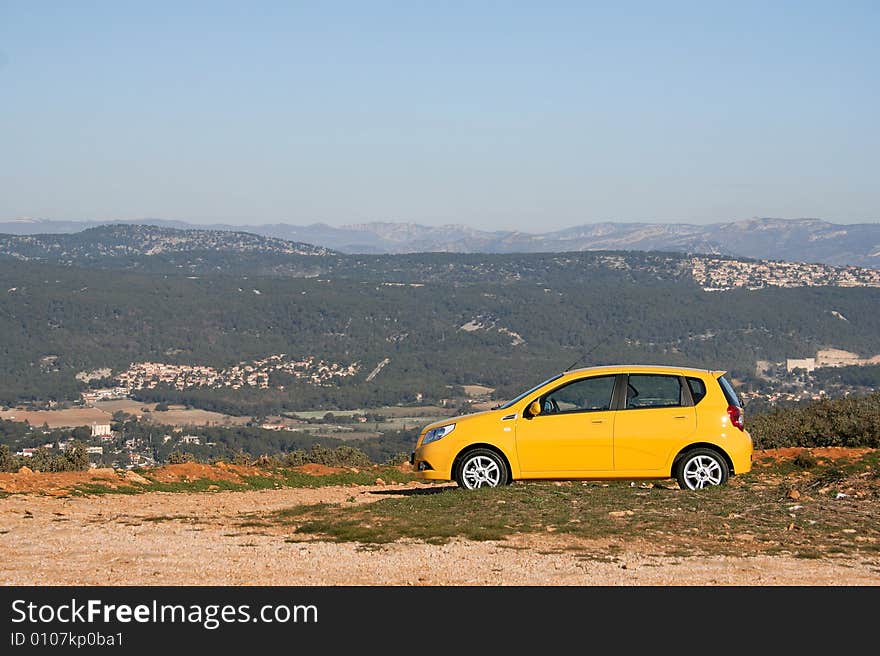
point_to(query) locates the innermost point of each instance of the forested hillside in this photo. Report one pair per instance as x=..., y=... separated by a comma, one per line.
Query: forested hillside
x=441, y=321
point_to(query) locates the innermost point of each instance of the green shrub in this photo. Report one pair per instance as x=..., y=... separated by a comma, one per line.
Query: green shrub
x=179, y=457
x=398, y=459
x=6, y=459
x=849, y=422
x=805, y=460
x=341, y=456
x=74, y=458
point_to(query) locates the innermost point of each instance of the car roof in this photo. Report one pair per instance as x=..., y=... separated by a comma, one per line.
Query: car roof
x=646, y=368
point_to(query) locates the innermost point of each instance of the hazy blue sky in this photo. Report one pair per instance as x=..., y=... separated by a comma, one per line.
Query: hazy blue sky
x=495, y=114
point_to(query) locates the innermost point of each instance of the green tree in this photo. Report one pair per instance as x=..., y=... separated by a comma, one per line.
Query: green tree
x=7, y=460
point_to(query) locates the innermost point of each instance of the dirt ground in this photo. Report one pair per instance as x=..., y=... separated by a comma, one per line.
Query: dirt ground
x=63, y=483
x=59, y=418
x=161, y=538
x=102, y=411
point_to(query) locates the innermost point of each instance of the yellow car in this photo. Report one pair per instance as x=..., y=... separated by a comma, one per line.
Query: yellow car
x=633, y=422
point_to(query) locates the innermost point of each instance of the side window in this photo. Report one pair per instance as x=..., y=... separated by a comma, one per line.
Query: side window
x=585, y=395
x=698, y=389
x=653, y=391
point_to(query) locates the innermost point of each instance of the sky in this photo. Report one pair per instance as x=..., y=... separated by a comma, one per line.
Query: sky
x=498, y=115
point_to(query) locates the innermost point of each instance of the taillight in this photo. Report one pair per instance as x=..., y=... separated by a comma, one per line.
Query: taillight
x=736, y=416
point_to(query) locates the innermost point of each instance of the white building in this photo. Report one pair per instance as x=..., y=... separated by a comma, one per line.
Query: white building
x=101, y=430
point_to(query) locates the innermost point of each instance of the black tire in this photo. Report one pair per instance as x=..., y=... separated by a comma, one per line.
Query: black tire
x=480, y=468
x=701, y=468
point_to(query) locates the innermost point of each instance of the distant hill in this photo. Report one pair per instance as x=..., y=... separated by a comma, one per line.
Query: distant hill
x=798, y=240
x=153, y=249
x=114, y=241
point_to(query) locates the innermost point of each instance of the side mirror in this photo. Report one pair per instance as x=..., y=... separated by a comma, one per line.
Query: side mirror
x=534, y=409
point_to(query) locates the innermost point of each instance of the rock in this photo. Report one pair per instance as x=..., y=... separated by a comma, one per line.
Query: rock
x=25, y=471
x=134, y=477
x=794, y=494
x=379, y=481
x=745, y=537
x=621, y=513
x=841, y=495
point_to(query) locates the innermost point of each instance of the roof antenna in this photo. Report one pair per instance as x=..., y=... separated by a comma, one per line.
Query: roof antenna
x=588, y=352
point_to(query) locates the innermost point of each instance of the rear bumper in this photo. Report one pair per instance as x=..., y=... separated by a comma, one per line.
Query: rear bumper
x=742, y=456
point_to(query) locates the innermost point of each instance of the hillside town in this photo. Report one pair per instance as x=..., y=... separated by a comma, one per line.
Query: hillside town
x=793, y=379
x=720, y=274
x=257, y=373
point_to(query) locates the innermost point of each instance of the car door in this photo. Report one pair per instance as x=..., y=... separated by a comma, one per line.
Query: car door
x=573, y=433
x=656, y=419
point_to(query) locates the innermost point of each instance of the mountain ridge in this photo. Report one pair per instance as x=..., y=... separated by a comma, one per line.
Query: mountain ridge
x=115, y=240
x=155, y=249
x=796, y=240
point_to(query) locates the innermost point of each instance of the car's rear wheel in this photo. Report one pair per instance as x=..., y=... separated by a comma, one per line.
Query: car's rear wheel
x=481, y=468
x=701, y=468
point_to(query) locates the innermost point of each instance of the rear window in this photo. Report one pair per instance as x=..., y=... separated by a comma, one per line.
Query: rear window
x=698, y=389
x=729, y=392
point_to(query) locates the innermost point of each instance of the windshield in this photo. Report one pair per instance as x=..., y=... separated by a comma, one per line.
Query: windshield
x=525, y=394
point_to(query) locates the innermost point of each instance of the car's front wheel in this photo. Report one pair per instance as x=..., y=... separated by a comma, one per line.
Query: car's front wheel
x=701, y=468
x=481, y=468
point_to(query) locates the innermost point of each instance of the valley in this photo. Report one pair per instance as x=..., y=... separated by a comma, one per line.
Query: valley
x=212, y=343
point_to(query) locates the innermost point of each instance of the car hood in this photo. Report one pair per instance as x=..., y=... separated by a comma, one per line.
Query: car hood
x=458, y=419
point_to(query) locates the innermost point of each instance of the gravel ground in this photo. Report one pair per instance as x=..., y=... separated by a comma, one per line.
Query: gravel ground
x=196, y=539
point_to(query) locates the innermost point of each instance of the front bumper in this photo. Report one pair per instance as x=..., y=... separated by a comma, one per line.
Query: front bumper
x=430, y=462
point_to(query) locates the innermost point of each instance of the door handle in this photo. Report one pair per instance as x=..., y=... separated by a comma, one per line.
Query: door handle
x=597, y=421
x=680, y=417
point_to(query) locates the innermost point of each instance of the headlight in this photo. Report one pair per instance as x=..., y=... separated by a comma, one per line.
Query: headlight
x=436, y=433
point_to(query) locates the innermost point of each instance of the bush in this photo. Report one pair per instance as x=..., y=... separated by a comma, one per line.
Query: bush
x=805, y=460
x=75, y=458
x=341, y=456
x=179, y=457
x=849, y=422
x=398, y=459
x=241, y=458
x=6, y=459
